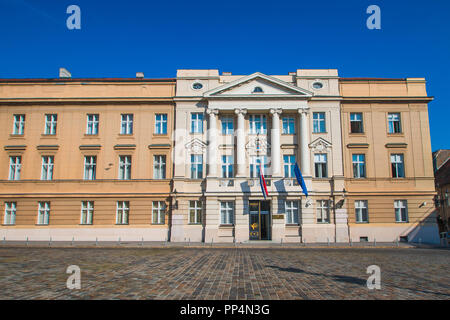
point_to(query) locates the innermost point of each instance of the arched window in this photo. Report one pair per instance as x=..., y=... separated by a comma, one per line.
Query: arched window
x=258, y=90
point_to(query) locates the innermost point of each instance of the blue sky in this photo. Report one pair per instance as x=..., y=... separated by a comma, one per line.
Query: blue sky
x=119, y=38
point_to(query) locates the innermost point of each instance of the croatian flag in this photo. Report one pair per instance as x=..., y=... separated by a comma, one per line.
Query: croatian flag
x=262, y=182
x=301, y=182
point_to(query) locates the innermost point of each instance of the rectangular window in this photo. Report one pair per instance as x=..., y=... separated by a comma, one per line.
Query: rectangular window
x=50, y=124
x=258, y=124
x=122, y=212
x=227, y=166
x=359, y=165
x=10, y=213
x=319, y=122
x=196, y=166
x=15, y=165
x=43, y=213
x=126, y=124
x=90, y=164
x=124, y=167
x=401, y=210
x=291, y=208
x=47, y=167
x=289, y=164
x=161, y=124
x=255, y=166
x=159, y=167
x=158, y=212
x=361, y=211
x=92, y=124
x=320, y=164
x=19, y=124
x=356, y=123
x=398, y=168
x=195, y=212
x=87, y=212
x=197, y=123
x=323, y=211
x=226, y=212
x=394, y=121
x=227, y=125
x=288, y=125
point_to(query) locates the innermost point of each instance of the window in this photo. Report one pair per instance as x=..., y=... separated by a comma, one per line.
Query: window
x=195, y=211
x=19, y=124
x=258, y=124
x=398, y=168
x=10, y=213
x=289, y=164
x=47, y=168
x=92, y=124
x=323, y=211
x=317, y=85
x=197, y=86
x=159, y=167
x=394, y=121
x=401, y=210
x=126, y=125
x=161, y=124
x=288, y=125
x=291, y=212
x=50, y=124
x=227, y=166
x=359, y=165
x=43, y=213
x=124, y=167
x=258, y=90
x=87, y=212
x=197, y=123
x=227, y=125
x=320, y=163
x=196, y=166
x=15, y=164
x=255, y=165
x=356, y=123
x=122, y=212
x=319, y=122
x=158, y=212
x=90, y=163
x=361, y=211
x=226, y=212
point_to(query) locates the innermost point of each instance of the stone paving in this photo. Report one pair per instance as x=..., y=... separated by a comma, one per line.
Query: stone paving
x=224, y=273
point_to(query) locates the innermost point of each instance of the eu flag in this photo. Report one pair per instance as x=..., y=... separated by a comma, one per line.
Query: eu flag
x=301, y=182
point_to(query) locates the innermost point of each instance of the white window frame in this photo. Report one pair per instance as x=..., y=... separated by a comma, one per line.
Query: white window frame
x=227, y=166
x=226, y=121
x=87, y=212
x=48, y=163
x=401, y=206
x=125, y=162
x=358, y=162
x=10, y=213
x=393, y=118
x=51, y=122
x=292, y=211
x=196, y=166
x=289, y=165
x=226, y=212
x=321, y=165
x=92, y=124
x=195, y=208
x=255, y=165
x=15, y=166
x=159, y=167
x=361, y=211
x=323, y=209
x=161, y=123
x=355, y=119
x=397, y=160
x=255, y=120
x=126, y=123
x=288, y=125
x=43, y=213
x=90, y=167
x=122, y=212
x=318, y=121
x=19, y=124
x=196, y=122
x=158, y=212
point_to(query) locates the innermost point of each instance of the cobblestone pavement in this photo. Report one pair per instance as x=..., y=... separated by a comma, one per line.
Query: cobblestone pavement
x=224, y=273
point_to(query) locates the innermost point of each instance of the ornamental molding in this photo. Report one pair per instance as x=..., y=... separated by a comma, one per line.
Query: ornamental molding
x=196, y=146
x=257, y=146
x=320, y=145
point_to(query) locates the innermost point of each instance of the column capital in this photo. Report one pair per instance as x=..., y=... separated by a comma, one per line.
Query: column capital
x=240, y=111
x=276, y=111
x=212, y=111
x=304, y=111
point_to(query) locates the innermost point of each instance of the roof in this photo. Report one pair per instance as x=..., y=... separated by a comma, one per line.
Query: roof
x=88, y=80
x=443, y=174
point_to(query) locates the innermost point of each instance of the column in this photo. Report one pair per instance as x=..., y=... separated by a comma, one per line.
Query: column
x=240, y=142
x=275, y=142
x=304, y=142
x=212, y=142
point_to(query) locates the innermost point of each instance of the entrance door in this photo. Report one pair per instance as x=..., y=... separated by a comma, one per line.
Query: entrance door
x=259, y=220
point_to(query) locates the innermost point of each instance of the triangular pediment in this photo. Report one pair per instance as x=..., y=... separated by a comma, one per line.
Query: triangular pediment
x=257, y=85
x=320, y=145
x=196, y=146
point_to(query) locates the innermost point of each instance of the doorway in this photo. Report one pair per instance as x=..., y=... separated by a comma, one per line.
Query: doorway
x=259, y=220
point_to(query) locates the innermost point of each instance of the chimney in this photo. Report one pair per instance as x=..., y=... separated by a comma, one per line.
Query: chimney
x=140, y=75
x=292, y=73
x=63, y=73
x=226, y=73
